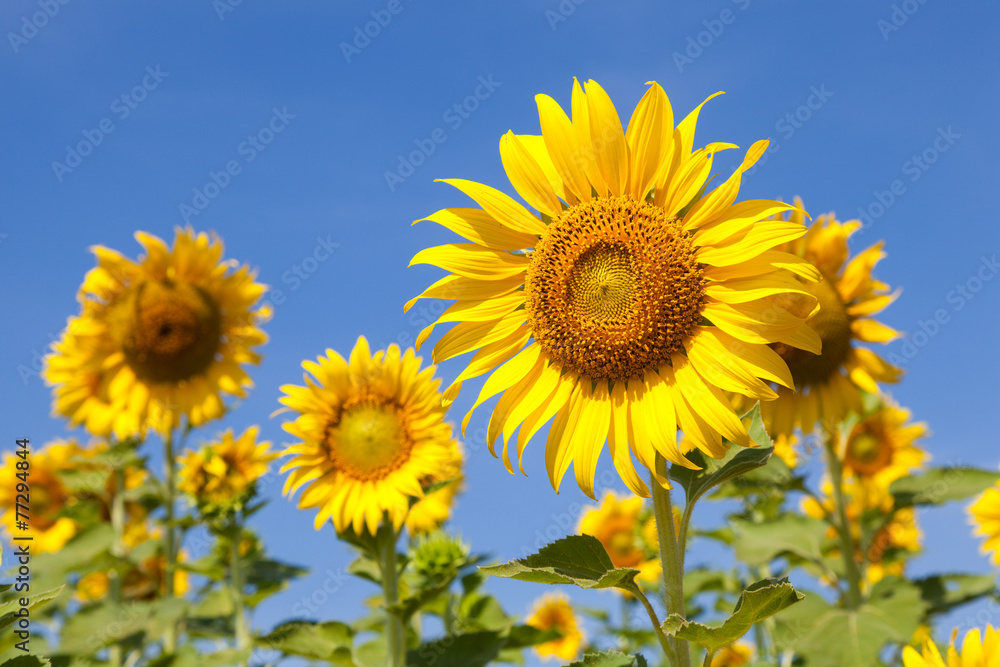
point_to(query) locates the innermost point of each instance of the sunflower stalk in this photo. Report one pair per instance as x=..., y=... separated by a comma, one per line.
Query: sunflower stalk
x=237, y=583
x=671, y=556
x=115, y=654
x=394, y=632
x=170, y=474
x=843, y=526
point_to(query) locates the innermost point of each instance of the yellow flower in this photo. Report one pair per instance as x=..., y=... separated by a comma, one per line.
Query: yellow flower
x=616, y=525
x=144, y=581
x=44, y=499
x=734, y=655
x=428, y=513
x=372, y=431
x=880, y=449
x=977, y=651
x=829, y=385
x=985, y=514
x=553, y=611
x=223, y=473
x=642, y=297
x=156, y=338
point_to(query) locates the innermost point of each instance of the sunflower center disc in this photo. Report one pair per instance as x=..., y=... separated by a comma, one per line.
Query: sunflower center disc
x=834, y=328
x=613, y=288
x=168, y=331
x=867, y=453
x=370, y=441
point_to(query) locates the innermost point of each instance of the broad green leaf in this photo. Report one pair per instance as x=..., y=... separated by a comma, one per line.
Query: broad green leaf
x=610, y=659
x=27, y=661
x=98, y=625
x=330, y=641
x=10, y=609
x=760, y=543
x=737, y=461
x=577, y=559
x=83, y=548
x=760, y=600
x=523, y=636
x=829, y=636
x=941, y=485
x=475, y=649
x=944, y=592
x=372, y=653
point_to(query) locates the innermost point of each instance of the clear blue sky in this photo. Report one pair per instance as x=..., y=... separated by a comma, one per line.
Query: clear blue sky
x=200, y=78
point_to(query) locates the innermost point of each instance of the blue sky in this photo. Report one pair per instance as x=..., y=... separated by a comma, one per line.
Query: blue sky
x=876, y=107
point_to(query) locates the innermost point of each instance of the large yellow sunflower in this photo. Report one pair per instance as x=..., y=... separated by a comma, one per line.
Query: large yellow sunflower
x=626, y=306
x=986, y=516
x=977, y=651
x=829, y=385
x=880, y=449
x=157, y=338
x=616, y=525
x=372, y=431
x=554, y=612
x=222, y=473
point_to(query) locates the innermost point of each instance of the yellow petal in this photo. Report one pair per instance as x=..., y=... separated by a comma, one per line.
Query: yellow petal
x=527, y=176
x=650, y=140
x=501, y=206
x=560, y=141
x=607, y=139
x=473, y=261
x=482, y=228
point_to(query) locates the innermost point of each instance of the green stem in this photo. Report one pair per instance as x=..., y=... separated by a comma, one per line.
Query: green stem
x=843, y=525
x=394, y=639
x=672, y=558
x=668, y=648
x=115, y=655
x=236, y=580
x=170, y=473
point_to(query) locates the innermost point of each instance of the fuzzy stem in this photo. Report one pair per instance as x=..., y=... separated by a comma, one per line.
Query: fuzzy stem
x=170, y=473
x=118, y=553
x=237, y=583
x=672, y=558
x=394, y=637
x=843, y=525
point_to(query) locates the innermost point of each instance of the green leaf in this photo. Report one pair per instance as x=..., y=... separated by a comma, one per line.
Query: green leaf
x=610, y=659
x=760, y=543
x=523, y=636
x=10, y=609
x=330, y=641
x=829, y=636
x=27, y=661
x=474, y=649
x=760, y=600
x=944, y=592
x=578, y=559
x=737, y=461
x=941, y=485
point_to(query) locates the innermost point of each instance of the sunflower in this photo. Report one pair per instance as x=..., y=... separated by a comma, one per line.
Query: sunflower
x=49, y=495
x=554, y=612
x=985, y=514
x=829, y=385
x=977, y=651
x=880, y=449
x=629, y=303
x=372, y=431
x=157, y=338
x=434, y=509
x=734, y=655
x=223, y=473
x=616, y=525
x=144, y=580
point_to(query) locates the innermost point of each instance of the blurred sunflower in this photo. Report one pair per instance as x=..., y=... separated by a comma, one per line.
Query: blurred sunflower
x=616, y=525
x=222, y=474
x=49, y=495
x=880, y=449
x=144, y=580
x=160, y=337
x=829, y=385
x=554, y=612
x=734, y=655
x=428, y=513
x=644, y=298
x=372, y=431
x=977, y=651
x=985, y=514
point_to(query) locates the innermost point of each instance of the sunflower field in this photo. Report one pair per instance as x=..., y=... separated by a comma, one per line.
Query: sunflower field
x=276, y=421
